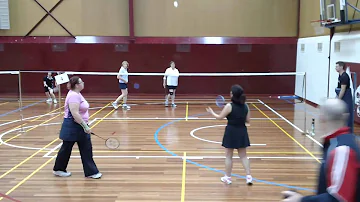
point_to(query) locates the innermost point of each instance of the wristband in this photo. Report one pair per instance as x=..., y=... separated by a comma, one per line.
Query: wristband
x=84, y=125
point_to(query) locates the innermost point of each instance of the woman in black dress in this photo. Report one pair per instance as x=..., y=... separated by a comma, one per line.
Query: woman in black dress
x=236, y=136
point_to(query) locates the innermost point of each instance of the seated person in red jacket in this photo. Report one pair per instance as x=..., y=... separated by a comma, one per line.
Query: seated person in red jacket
x=339, y=176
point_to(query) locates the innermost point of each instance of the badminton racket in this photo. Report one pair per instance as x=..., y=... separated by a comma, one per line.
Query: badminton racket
x=220, y=101
x=111, y=143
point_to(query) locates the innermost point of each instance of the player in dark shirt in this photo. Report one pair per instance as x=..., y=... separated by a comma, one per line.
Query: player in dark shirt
x=49, y=87
x=343, y=91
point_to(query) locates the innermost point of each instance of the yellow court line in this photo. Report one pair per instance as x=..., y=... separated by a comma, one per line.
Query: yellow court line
x=32, y=128
x=102, y=118
x=24, y=161
x=311, y=154
x=48, y=161
x=28, y=158
x=46, y=122
x=183, y=181
x=3, y=103
x=192, y=152
x=187, y=111
x=181, y=119
x=9, y=120
x=28, y=177
x=28, y=123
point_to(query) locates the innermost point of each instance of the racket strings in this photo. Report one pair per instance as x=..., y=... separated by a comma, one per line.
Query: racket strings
x=112, y=143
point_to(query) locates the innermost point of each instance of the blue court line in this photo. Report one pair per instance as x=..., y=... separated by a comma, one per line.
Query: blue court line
x=24, y=107
x=156, y=134
x=303, y=109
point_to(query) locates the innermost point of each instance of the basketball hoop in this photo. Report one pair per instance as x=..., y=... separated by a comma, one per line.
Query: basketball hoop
x=318, y=26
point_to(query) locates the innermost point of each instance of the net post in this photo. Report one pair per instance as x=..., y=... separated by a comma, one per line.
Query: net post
x=59, y=90
x=20, y=103
x=59, y=95
x=354, y=96
x=305, y=107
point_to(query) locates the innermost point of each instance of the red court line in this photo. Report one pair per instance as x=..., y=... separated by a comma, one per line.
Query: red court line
x=8, y=197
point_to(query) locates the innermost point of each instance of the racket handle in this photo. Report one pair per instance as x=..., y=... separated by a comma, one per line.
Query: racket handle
x=97, y=135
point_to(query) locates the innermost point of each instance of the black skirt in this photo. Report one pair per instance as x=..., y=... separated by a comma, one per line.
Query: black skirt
x=72, y=131
x=235, y=137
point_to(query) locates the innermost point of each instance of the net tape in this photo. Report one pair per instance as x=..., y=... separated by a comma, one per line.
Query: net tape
x=193, y=74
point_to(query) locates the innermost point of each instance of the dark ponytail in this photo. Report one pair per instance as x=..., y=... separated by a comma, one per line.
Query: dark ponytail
x=238, y=96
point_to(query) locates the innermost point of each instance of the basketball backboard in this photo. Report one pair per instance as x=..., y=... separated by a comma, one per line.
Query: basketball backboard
x=335, y=12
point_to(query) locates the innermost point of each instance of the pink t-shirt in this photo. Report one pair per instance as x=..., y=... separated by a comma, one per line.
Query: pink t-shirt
x=74, y=97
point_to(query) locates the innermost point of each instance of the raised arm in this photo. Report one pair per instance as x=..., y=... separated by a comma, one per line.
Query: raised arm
x=226, y=111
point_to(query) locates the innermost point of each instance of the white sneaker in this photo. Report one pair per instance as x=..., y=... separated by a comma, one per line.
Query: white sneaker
x=166, y=103
x=95, y=176
x=125, y=106
x=62, y=173
x=226, y=179
x=114, y=104
x=173, y=105
x=49, y=100
x=249, y=180
x=55, y=101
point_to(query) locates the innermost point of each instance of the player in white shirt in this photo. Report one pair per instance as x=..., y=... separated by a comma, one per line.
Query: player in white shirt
x=170, y=82
x=123, y=81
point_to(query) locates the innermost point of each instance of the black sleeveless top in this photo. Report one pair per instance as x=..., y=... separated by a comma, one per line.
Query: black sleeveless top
x=237, y=116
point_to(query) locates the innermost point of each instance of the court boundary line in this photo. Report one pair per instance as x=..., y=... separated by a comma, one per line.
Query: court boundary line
x=290, y=123
x=49, y=160
x=4, y=142
x=190, y=157
x=21, y=108
x=287, y=134
x=21, y=126
x=52, y=112
x=39, y=168
x=4, y=103
x=183, y=181
x=176, y=118
x=156, y=134
x=192, y=134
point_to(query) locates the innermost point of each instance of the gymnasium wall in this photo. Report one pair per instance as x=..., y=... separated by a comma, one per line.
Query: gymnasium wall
x=245, y=18
x=215, y=36
x=309, y=11
x=156, y=58
x=322, y=79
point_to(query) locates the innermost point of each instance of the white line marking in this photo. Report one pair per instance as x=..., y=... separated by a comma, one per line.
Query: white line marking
x=23, y=147
x=213, y=126
x=289, y=122
x=161, y=99
x=29, y=148
x=52, y=150
x=59, y=145
x=33, y=117
x=6, y=123
x=167, y=118
x=206, y=157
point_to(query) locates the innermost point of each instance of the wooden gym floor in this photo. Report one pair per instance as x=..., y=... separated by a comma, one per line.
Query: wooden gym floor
x=150, y=163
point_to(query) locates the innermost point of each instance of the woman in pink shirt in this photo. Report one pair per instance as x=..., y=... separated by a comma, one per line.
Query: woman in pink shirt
x=75, y=129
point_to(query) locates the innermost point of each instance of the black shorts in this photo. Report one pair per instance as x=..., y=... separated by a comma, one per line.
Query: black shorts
x=46, y=89
x=171, y=87
x=123, y=86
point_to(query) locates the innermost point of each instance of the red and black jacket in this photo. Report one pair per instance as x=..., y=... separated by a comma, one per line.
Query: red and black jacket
x=339, y=178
